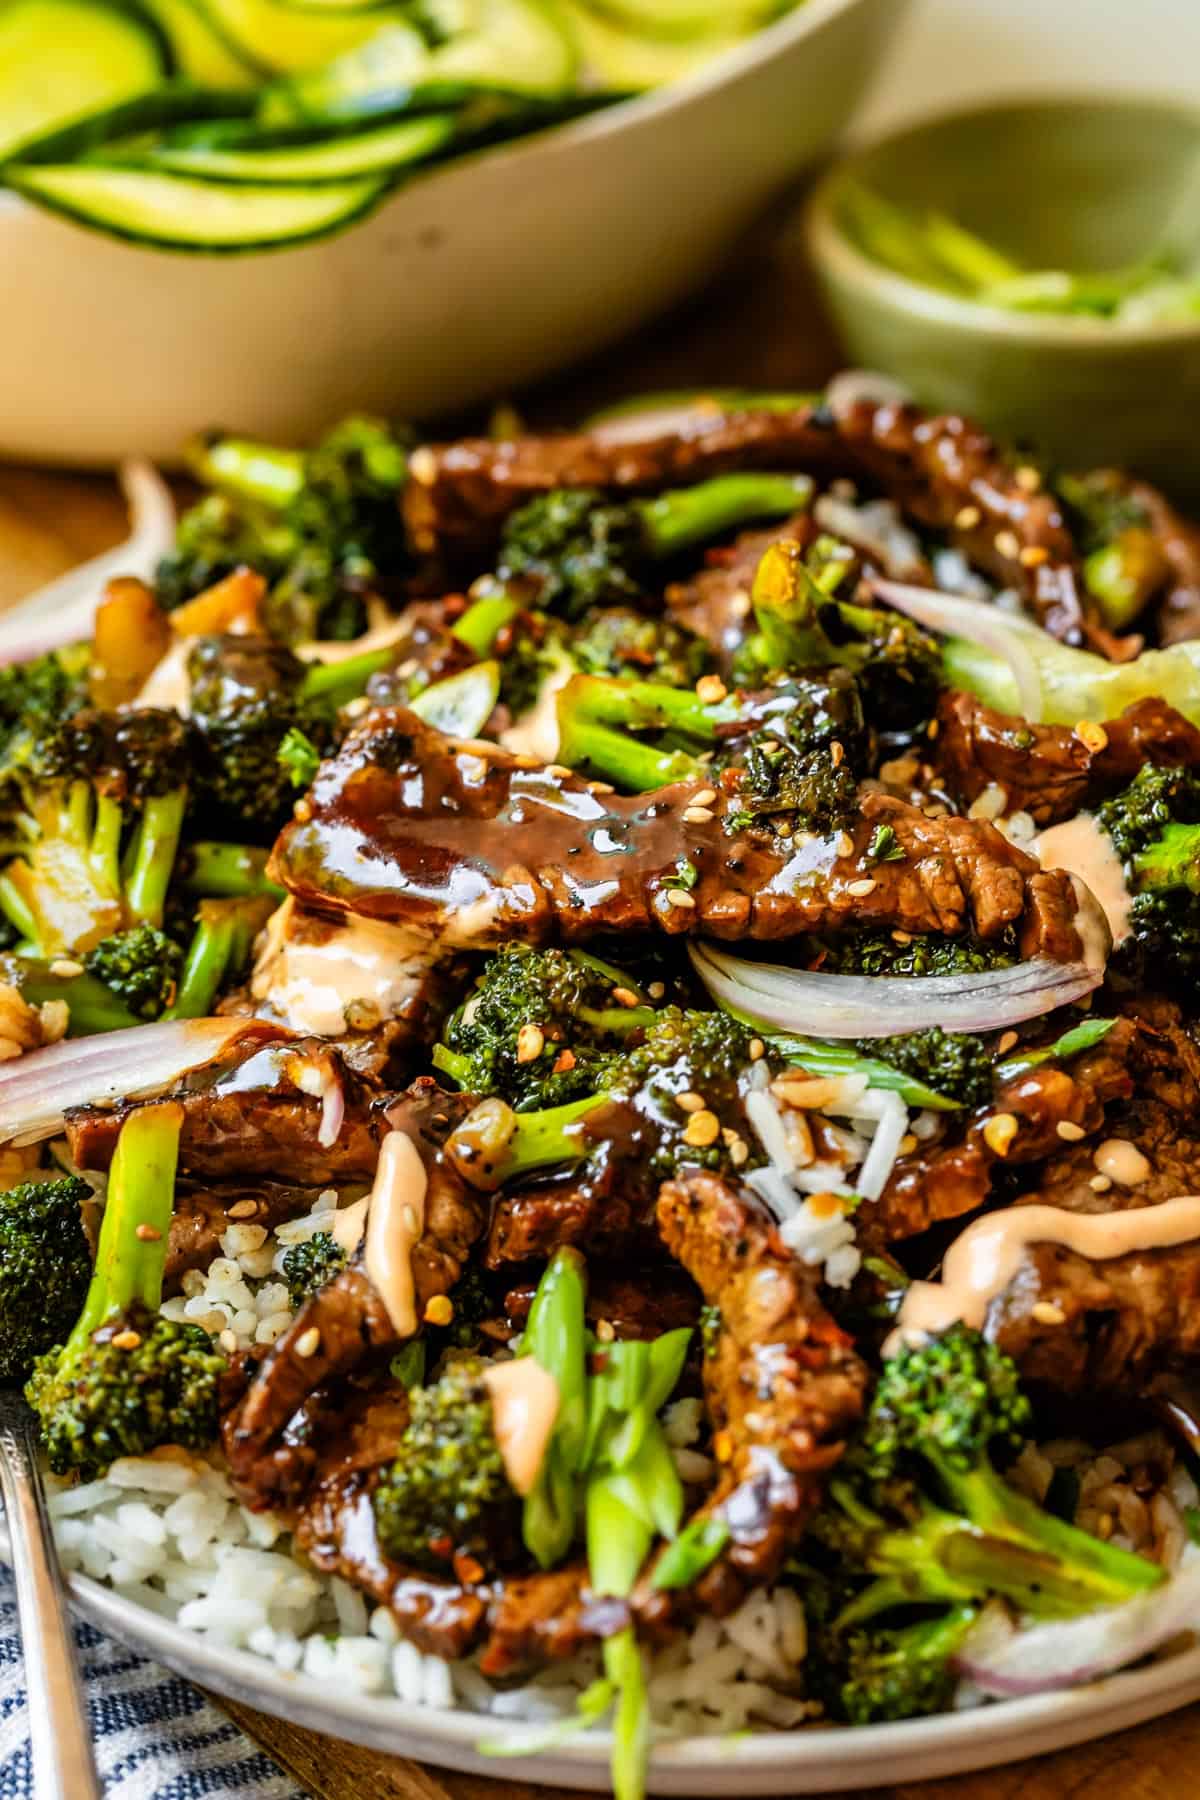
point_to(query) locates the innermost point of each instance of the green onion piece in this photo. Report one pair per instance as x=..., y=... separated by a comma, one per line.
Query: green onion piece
x=408, y=1364
x=631, y=1727
x=591, y=1706
x=462, y=704
x=695, y=1549
x=820, y=1057
x=618, y=1540
x=484, y=620
x=555, y=1336
x=344, y=679
x=449, y=1062
x=1083, y=1036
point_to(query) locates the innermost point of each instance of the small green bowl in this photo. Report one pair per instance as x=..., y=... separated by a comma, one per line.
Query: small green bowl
x=1078, y=183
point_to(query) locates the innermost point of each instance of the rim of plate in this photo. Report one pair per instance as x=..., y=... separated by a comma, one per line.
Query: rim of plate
x=814, y=1760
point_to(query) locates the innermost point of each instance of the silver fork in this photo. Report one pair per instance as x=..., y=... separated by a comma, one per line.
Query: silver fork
x=60, y=1737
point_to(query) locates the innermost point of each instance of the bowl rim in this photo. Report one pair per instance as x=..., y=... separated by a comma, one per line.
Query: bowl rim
x=833, y=251
x=761, y=46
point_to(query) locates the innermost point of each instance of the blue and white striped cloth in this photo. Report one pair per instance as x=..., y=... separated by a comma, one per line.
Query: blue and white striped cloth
x=157, y=1737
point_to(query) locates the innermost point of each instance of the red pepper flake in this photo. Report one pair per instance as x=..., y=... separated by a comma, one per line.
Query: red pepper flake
x=468, y=1570
x=564, y=1061
x=442, y=1546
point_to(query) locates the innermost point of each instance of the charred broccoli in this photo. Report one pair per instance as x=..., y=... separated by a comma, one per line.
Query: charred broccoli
x=540, y=1027
x=94, y=812
x=323, y=526
x=1124, y=564
x=310, y=1265
x=918, y=1516
x=249, y=695
x=874, y=1674
x=801, y=625
x=45, y=1268
x=1154, y=826
x=447, y=1493
x=36, y=696
x=127, y=1380
x=928, y=953
x=954, y=1063
x=585, y=549
x=619, y=641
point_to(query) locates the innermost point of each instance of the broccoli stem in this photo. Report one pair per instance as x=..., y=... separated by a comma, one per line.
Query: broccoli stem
x=450, y=1063
x=677, y=520
x=132, y=1252
x=17, y=910
x=646, y=706
x=219, y=948
x=786, y=595
x=484, y=620
x=542, y=1139
x=618, y=758
x=152, y=857
x=343, y=680
x=93, y=1007
x=225, y=871
x=260, y=473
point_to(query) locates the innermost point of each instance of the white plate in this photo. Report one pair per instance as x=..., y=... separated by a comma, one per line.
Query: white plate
x=818, y=1761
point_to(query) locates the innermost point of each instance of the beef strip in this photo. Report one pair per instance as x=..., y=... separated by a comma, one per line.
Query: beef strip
x=954, y=1177
x=1049, y=771
x=784, y=1387
x=715, y=604
x=252, y=1119
x=655, y=1300
x=270, y=1458
x=478, y=847
x=946, y=473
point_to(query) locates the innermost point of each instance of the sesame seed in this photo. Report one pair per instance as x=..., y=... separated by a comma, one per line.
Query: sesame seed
x=66, y=967
x=697, y=815
x=625, y=996
x=739, y=1152
x=243, y=1209
x=739, y=606
x=1007, y=544
x=824, y=1206
x=228, y=1341
x=302, y=811
x=531, y=1041
x=54, y=1016
x=126, y=1340
x=354, y=709
x=1093, y=737
x=723, y=1446
x=908, y=1143
x=1046, y=1313
x=601, y=787
x=757, y=1049
x=677, y=897
x=308, y=1342
x=1100, y=1184
x=1069, y=1131
x=423, y=465
x=705, y=797
x=690, y=1102
x=410, y=1221
x=1028, y=479
x=1006, y=1043
x=657, y=990
x=809, y=1095
x=439, y=1310
x=606, y=1331
x=148, y=1234
x=710, y=689
x=967, y=518
x=999, y=1133
x=560, y=771
x=844, y=844
x=1033, y=556
x=861, y=888
x=703, y=1128
x=902, y=937
x=1104, y=1525
x=564, y=1061
x=932, y=729
x=837, y=754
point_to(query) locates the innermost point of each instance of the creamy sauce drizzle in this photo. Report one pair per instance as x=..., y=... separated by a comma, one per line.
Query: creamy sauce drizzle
x=525, y=1401
x=168, y=684
x=1079, y=846
x=316, y=975
x=986, y=1257
x=349, y=1223
x=395, y=1221
x=535, y=733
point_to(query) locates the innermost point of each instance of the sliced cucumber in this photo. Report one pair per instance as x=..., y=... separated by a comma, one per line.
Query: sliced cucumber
x=169, y=105
x=335, y=159
x=175, y=213
x=203, y=53
x=60, y=59
x=619, y=58
x=499, y=46
x=284, y=40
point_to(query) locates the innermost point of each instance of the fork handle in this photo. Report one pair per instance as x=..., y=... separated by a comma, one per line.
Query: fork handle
x=59, y=1731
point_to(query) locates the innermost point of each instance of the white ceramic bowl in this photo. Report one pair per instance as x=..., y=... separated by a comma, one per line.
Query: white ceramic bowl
x=466, y=283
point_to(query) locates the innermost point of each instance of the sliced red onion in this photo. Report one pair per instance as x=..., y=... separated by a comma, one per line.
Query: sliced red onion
x=687, y=418
x=863, y=387
x=955, y=616
x=1009, y=1662
x=37, y=1090
x=876, y=528
x=777, y=998
x=333, y=1112
x=64, y=611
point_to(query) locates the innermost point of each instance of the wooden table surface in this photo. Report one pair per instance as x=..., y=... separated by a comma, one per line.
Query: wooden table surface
x=754, y=327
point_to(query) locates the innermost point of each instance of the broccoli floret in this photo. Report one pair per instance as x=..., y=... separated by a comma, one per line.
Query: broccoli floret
x=322, y=526
x=801, y=625
x=127, y=1380
x=45, y=1268
x=873, y=1675
x=249, y=696
x=586, y=550
x=310, y=1265
x=447, y=1493
x=540, y=1027
x=95, y=811
x=1154, y=825
x=1124, y=563
x=700, y=1055
x=919, y=1512
x=36, y=696
x=139, y=966
x=878, y=953
x=218, y=952
x=619, y=641
x=954, y=1063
